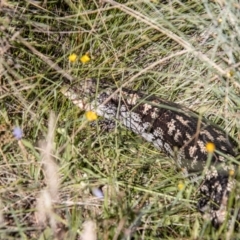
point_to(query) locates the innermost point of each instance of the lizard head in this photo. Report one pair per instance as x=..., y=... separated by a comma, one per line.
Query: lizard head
x=81, y=93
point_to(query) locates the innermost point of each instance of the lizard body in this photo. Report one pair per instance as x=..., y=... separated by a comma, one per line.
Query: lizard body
x=178, y=131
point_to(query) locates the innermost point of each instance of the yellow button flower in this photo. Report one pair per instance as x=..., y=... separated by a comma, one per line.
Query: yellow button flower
x=210, y=147
x=230, y=74
x=72, y=57
x=231, y=172
x=85, y=58
x=180, y=186
x=91, y=116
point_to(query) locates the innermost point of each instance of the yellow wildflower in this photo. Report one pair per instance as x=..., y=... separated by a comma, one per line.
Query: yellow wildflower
x=91, y=116
x=230, y=74
x=72, y=57
x=231, y=172
x=180, y=186
x=210, y=147
x=85, y=58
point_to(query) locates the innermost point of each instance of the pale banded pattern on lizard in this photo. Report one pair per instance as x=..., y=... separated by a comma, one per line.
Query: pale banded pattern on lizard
x=174, y=129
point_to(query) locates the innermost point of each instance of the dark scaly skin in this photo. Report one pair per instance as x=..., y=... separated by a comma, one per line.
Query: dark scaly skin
x=172, y=128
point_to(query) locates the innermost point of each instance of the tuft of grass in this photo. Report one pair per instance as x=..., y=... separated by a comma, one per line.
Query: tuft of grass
x=184, y=51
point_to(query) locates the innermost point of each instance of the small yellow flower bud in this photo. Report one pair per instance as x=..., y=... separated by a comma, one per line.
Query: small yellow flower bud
x=72, y=57
x=91, y=116
x=230, y=74
x=180, y=186
x=231, y=172
x=85, y=58
x=210, y=147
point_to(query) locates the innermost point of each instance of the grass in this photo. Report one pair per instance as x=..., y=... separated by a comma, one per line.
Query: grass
x=183, y=51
